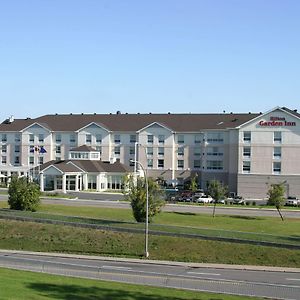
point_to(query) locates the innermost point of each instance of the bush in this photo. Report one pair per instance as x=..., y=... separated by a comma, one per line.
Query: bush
x=247, y=203
x=254, y=203
x=23, y=195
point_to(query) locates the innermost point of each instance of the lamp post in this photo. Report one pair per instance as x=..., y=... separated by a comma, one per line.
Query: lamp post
x=147, y=207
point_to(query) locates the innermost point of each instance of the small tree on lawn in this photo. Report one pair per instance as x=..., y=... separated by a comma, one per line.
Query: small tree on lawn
x=194, y=184
x=136, y=194
x=276, y=197
x=23, y=195
x=217, y=192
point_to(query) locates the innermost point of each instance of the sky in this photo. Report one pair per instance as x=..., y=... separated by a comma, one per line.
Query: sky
x=158, y=56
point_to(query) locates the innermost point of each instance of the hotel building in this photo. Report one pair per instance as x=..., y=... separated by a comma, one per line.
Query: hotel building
x=246, y=151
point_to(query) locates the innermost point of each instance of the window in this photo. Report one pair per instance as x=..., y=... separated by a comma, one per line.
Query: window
x=31, y=138
x=58, y=150
x=17, y=148
x=58, y=138
x=277, y=152
x=131, y=150
x=88, y=138
x=197, y=151
x=150, y=138
x=180, y=163
x=3, y=160
x=160, y=163
x=17, y=160
x=41, y=138
x=247, y=136
x=132, y=138
x=277, y=137
x=276, y=167
x=150, y=163
x=197, y=139
x=3, y=148
x=161, y=151
x=117, y=150
x=180, y=139
x=57, y=158
x=215, y=137
x=72, y=138
x=247, y=152
x=214, y=151
x=246, y=166
x=214, y=165
x=150, y=151
x=4, y=138
x=181, y=151
x=161, y=139
x=117, y=139
x=31, y=160
x=41, y=160
x=17, y=137
x=98, y=138
x=197, y=163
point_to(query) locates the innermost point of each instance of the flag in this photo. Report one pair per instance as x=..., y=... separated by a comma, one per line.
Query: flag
x=42, y=150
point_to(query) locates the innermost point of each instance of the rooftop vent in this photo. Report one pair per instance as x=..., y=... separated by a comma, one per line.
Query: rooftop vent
x=94, y=113
x=71, y=113
x=118, y=112
x=295, y=110
x=81, y=113
x=169, y=113
x=234, y=120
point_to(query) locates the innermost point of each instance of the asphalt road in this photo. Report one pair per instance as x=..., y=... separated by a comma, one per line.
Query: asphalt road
x=112, y=201
x=254, y=281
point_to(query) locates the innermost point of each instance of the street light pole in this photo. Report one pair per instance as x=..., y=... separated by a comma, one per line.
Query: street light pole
x=147, y=208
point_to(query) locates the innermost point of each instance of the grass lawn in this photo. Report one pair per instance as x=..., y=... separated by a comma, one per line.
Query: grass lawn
x=57, y=238
x=19, y=285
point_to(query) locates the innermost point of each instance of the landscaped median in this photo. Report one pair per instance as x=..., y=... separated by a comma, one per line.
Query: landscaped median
x=183, y=243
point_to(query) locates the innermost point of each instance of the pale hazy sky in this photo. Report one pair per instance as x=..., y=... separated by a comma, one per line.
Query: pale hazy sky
x=62, y=56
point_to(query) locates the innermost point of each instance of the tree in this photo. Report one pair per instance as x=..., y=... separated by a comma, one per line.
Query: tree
x=136, y=194
x=276, y=196
x=23, y=195
x=217, y=192
x=194, y=184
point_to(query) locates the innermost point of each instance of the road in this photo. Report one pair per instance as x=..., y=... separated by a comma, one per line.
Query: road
x=112, y=201
x=274, y=283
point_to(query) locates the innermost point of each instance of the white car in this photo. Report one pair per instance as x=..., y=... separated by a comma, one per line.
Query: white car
x=204, y=199
x=292, y=201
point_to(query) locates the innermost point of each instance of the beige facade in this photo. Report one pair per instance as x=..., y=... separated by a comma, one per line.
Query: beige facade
x=245, y=152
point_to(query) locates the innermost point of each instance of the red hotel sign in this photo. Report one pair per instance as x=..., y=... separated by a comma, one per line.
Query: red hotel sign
x=276, y=121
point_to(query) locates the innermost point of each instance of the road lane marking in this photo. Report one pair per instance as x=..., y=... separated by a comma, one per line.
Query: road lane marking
x=293, y=279
x=115, y=268
x=198, y=273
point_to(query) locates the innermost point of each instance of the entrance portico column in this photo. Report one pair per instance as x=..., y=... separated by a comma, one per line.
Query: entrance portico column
x=98, y=182
x=64, y=183
x=85, y=182
x=76, y=183
x=42, y=181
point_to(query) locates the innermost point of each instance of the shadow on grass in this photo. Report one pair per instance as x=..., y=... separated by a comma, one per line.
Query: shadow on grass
x=183, y=213
x=76, y=292
x=245, y=217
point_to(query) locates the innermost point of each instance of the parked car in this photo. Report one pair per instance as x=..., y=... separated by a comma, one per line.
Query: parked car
x=238, y=200
x=204, y=199
x=292, y=201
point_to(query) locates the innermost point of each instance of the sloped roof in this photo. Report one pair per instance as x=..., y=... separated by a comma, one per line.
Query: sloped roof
x=135, y=122
x=83, y=148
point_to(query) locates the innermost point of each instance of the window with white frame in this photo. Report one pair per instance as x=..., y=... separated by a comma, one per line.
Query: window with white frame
x=117, y=150
x=41, y=160
x=150, y=163
x=247, y=152
x=132, y=138
x=98, y=138
x=160, y=163
x=214, y=151
x=17, y=137
x=17, y=148
x=161, y=151
x=247, y=136
x=150, y=138
x=277, y=152
x=215, y=137
x=88, y=138
x=17, y=160
x=117, y=139
x=276, y=167
x=149, y=151
x=180, y=164
x=41, y=138
x=197, y=139
x=180, y=139
x=246, y=166
x=58, y=149
x=197, y=151
x=4, y=138
x=3, y=148
x=31, y=160
x=214, y=165
x=58, y=138
x=197, y=164
x=180, y=151
x=277, y=137
x=31, y=138
x=161, y=139
x=72, y=138
x=131, y=150
x=3, y=160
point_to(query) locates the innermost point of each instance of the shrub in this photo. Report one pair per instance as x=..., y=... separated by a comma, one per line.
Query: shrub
x=254, y=203
x=23, y=195
x=247, y=203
